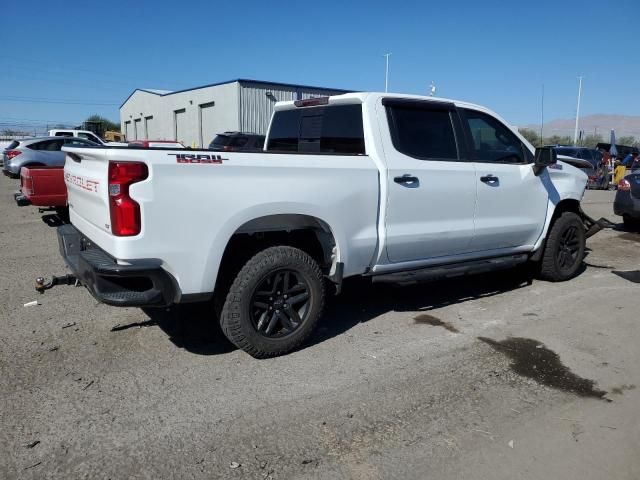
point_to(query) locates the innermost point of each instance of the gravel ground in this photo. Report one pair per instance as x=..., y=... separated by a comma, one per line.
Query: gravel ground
x=488, y=377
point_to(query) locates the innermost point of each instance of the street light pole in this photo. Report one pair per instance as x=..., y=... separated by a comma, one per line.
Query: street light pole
x=386, y=72
x=575, y=132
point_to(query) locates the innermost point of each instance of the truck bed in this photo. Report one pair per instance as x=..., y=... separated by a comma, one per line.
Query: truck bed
x=44, y=186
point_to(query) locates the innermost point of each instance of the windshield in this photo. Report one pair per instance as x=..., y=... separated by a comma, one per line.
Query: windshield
x=12, y=145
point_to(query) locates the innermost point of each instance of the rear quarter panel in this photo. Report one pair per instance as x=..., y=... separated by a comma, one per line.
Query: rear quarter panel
x=191, y=210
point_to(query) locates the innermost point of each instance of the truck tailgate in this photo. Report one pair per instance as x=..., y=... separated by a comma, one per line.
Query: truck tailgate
x=44, y=186
x=86, y=173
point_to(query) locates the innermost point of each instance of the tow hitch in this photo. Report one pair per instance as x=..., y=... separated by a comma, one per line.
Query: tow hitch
x=63, y=280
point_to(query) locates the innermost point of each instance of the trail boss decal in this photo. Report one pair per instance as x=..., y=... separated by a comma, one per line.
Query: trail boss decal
x=197, y=158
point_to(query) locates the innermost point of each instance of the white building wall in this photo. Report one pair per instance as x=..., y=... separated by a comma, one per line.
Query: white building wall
x=245, y=106
x=163, y=110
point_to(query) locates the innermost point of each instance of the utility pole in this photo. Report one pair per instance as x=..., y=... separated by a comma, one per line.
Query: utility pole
x=575, y=132
x=542, y=117
x=386, y=72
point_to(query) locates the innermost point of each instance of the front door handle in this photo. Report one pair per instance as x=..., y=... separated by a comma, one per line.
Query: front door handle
x=407, y=180
x=491, y=179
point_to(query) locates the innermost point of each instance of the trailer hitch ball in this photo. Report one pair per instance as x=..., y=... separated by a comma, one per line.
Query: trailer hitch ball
x=41, y=286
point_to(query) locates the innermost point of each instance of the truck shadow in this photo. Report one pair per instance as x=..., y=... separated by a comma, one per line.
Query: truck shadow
x=363, y=301
x=194, y=327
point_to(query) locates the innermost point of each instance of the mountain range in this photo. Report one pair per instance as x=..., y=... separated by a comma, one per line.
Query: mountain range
x=590, y=124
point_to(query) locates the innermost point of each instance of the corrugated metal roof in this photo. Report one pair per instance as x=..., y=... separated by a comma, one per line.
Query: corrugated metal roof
x=239, y=80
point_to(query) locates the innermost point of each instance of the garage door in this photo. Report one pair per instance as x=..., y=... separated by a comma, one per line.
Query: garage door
x=208, y=127
x=180, y=125
x=149, y=129
x=128, y=130
x=137, y=129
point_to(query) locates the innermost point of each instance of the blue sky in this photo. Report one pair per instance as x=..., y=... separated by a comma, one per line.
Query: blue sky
x=496, y=53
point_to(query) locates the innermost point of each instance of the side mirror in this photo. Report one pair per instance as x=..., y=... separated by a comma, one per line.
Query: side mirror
x=545, y=156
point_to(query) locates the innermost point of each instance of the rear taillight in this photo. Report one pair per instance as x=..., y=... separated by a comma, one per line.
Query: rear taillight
x=624, y=185
x=12, y=153
x=125, y=212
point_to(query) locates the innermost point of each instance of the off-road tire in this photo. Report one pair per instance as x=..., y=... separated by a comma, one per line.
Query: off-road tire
x=550, y=267
x=235, y=319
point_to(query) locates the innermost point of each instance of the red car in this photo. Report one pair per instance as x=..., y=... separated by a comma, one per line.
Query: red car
x=45, y=187
x=155, y=144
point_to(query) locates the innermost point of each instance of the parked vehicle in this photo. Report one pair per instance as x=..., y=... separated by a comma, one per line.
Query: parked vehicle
x=627, y=201
x=156, y=144
x=594, y=157
x=39, y=151
x=87, y=135
x=397, y=188
x=237, y=142
x=112, y=136
x=42, y=187
x=585, y=166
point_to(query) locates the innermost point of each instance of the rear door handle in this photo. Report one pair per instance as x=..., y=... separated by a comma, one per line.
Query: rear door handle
x=489, y=179
x=407, y=180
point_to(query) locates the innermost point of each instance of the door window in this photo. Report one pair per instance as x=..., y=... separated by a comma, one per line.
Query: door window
x=422, y=131
x=491, y=141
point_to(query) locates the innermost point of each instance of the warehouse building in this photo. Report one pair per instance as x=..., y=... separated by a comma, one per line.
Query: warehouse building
x=194, y=116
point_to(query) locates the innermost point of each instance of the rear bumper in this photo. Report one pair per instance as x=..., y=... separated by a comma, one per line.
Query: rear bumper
x=626, y=205
x=11, y=171
x=142, y=285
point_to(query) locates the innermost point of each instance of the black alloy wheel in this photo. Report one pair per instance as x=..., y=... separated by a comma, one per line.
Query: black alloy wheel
x=280, y=304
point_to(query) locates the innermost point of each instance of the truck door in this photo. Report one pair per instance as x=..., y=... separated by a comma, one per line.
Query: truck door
x=431, y=185
x=512, y=201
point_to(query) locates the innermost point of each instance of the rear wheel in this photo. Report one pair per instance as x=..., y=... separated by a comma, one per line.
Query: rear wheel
x=564, y=248
x=274, y=302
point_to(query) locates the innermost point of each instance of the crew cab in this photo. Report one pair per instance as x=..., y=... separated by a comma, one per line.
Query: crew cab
x=398, y=188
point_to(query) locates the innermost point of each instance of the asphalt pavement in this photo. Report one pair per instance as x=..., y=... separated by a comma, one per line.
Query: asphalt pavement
x=486, y=377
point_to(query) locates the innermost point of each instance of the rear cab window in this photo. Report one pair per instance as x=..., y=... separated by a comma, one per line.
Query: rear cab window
x=327, y=129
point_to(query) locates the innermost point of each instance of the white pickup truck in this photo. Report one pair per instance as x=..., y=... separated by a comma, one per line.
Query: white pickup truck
x=399, y=188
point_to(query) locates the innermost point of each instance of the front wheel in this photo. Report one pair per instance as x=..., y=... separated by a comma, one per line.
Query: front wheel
x=274, y=302
x=564, y=248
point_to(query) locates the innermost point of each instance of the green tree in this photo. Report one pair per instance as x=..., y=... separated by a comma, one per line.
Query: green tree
x=531, y=135
x=629, y=140
x=558, y=140
x=591, y=140
x=106, y=123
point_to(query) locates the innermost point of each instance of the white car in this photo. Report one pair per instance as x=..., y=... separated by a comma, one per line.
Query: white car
x=86, y=134
x=398, y=188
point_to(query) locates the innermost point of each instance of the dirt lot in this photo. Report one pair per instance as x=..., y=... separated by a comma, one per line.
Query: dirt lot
x=489, y=377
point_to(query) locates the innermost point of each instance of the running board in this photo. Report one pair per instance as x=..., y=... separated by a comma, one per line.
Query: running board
x=451, y=270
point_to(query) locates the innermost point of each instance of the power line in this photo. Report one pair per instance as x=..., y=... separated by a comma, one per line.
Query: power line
x=53, y=100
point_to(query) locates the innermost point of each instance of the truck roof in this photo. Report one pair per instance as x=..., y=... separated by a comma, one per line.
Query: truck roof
x=362, y=97
x=366, y=97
